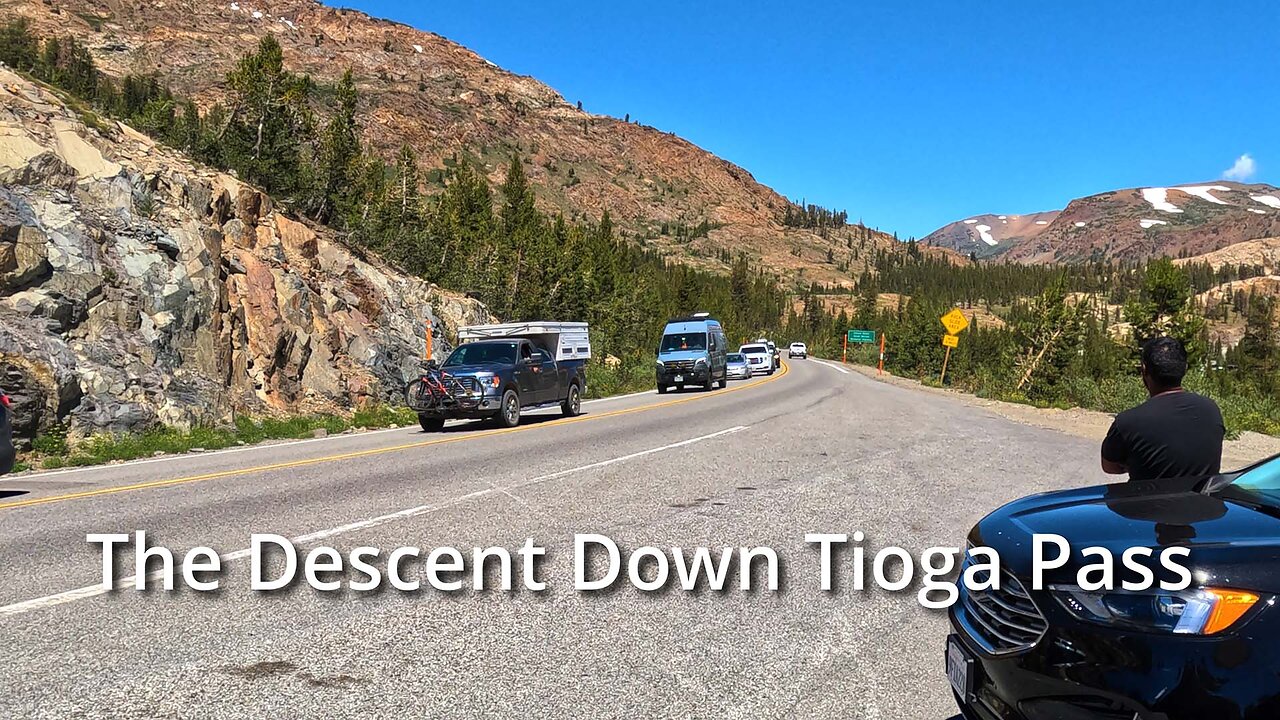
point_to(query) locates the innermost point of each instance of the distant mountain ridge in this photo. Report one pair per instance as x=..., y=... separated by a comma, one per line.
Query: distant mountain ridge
x=989, y=235
x=1128, y=224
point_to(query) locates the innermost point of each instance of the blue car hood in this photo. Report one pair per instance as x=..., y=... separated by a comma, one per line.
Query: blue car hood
x=1226, y=539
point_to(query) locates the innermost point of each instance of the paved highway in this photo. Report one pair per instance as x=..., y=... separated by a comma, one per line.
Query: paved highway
x=813, y=449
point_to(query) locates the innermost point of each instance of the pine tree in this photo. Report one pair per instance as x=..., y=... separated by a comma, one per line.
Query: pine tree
x=338, y=152
x=18, y=47
x=269, y=118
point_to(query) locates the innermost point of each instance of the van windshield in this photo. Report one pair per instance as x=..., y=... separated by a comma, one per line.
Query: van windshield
x=683, y=341
x=501, y=353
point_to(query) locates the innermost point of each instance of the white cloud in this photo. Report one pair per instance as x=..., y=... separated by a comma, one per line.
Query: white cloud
x=1242, y=170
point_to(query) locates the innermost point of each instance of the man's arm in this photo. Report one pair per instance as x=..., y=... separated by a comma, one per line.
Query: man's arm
x=1114, y=454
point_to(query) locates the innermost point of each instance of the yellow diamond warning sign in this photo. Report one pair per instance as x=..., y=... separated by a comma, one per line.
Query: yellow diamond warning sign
x=955, y=321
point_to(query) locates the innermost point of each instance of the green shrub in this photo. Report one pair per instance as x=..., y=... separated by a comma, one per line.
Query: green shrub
x=380, y=416
x=633, y=374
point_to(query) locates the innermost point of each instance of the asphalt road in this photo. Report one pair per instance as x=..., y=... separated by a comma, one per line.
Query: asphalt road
x=814, y=449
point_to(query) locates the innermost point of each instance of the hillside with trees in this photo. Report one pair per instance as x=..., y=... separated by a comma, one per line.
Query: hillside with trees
x=450, y=105
x=1064, y=336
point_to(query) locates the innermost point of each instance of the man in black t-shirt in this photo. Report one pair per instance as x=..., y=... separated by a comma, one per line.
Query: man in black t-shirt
x=1175, y=433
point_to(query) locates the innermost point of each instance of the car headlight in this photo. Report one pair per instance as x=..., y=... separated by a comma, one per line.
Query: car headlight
x=661, y=366
x=700, y=361
x=1194, y=611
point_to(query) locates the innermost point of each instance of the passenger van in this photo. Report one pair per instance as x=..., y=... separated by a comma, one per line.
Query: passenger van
x=692, y=352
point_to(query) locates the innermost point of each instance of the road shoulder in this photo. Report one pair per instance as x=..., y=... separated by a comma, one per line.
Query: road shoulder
x=1092, y=424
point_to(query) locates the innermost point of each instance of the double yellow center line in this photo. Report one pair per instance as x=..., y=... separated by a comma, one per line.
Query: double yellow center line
x=376, y=451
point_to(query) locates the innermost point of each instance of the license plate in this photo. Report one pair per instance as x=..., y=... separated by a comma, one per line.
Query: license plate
x=959, y=668
x=678, y=378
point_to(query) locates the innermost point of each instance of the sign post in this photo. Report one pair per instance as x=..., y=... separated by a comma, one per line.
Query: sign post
x=949, y=341
x=954, y=322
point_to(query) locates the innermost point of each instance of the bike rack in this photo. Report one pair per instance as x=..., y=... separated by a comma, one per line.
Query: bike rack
x=437, y=390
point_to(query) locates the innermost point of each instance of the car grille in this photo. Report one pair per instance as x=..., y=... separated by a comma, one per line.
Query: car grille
x=1005, y=620
x=678, y=365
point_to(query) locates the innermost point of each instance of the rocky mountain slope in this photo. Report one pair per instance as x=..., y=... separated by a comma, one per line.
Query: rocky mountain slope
x=1137, y=223
x=445, y=100
x=136, y=288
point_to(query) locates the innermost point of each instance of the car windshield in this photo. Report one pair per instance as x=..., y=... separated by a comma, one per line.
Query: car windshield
x=1260, y=485
x=483, y=353
x=736, y=357
x=753, y=349
x=683, y=341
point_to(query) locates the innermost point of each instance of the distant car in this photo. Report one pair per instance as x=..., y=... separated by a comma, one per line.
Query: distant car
x=798, y=349
x=758, y=358
x=6, y=433
x=774, y=353
x=738, y=367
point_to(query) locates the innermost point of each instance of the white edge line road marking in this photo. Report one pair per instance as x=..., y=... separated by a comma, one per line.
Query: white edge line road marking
x=833, y=366
x=89, y=591
x=41, y=475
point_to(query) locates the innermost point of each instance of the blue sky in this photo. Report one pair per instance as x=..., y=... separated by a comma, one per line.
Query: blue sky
x=911, y=113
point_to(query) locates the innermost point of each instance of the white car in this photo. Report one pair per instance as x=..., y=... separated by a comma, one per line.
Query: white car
x=798, y=349
x=759, y=359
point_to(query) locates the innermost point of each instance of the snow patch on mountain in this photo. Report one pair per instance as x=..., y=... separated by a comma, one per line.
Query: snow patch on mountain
x=1159, y=199
x=984, y=231
x=1204, y=192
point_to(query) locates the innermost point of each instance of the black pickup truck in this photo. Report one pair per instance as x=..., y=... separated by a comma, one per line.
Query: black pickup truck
x=496, y=379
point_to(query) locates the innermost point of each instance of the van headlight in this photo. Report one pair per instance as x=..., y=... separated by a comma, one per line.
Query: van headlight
x=1194, y=611
x=661, y=366
x=700, y=361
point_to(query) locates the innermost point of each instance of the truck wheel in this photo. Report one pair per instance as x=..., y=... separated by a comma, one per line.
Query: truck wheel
x=710, y=383
x=509, y=415
x=724, y=381
x=572, y=405
x=662, y=389
x=430, y=424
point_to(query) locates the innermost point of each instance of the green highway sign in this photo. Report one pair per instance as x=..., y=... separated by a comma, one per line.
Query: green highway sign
x=862, y=336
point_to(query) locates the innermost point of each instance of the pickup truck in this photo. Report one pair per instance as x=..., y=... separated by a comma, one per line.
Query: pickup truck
x=511, y=368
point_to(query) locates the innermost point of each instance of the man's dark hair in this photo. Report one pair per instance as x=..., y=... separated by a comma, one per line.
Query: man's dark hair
x=1166, y=361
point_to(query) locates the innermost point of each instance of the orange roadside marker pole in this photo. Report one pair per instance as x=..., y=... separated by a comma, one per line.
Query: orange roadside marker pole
x=427, y=353
x=880, y=369
x=844, y=356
